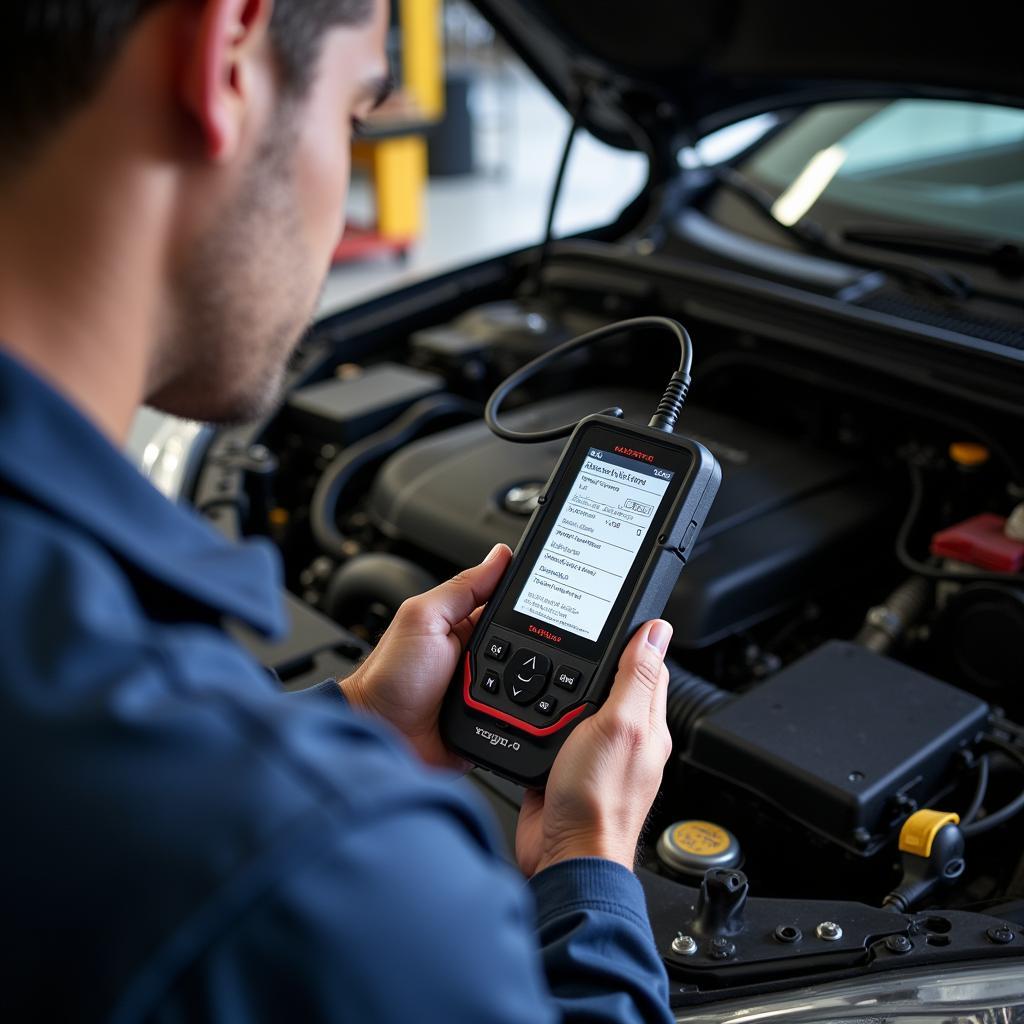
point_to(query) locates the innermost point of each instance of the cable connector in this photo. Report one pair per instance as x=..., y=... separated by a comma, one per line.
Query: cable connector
x=932, y=849
x=671, y=404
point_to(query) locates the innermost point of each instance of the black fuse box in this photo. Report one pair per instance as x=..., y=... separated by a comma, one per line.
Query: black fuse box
x=842, y=741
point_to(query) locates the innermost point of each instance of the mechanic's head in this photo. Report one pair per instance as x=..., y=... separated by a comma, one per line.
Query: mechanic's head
x=229, y=124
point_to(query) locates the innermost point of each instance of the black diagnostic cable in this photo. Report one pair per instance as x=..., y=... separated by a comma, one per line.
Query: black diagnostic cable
x=665, y=415
x=556, y=195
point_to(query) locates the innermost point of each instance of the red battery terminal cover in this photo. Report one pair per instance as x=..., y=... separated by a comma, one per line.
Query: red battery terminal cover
x=981, y=541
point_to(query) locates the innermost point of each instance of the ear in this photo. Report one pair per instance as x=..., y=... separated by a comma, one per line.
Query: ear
x=227, y=43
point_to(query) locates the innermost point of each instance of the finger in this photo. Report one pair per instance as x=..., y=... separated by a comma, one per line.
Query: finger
x=464, y=630
x=641, y=683
x=659, y=707
x=455, y=600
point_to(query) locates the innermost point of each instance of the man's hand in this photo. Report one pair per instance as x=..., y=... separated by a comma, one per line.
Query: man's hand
x=405, y=678
x=605, y=778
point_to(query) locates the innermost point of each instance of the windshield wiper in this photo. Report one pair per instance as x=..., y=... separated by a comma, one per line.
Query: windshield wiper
x=816, y=239
x=1006, y=257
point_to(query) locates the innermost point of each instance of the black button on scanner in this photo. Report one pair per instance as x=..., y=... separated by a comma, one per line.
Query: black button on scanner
x=688, y=536
x=496, y=648
x=491, y=681
x=546, y=706
x=568, y=678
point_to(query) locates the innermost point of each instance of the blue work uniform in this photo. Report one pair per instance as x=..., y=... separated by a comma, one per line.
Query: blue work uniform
x=181, y=841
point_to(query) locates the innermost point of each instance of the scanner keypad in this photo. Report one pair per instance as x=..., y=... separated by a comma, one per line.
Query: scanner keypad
x=522, y=682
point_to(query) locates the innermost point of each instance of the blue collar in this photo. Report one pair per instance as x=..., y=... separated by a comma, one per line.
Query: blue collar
x=50, y=452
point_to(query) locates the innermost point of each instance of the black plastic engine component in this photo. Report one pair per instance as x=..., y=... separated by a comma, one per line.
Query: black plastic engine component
x=788, y=517
x=720, y=905
x=518, y=329
x=345, y=410
x=844, y=741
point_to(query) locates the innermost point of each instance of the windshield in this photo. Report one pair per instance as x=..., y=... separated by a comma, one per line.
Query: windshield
x=949, y=165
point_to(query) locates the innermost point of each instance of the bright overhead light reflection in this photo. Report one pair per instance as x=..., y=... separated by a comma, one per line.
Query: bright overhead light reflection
x=808, y=186
x=149, y=456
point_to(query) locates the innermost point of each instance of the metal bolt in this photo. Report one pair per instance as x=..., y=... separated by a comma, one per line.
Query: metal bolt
x=1001, y=935
x=722, y=948
x=684, y=945
x=788, y=933
x=829, y=931
x=898, y=944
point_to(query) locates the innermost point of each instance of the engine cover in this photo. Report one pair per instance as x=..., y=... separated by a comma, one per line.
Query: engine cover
x=788, y=517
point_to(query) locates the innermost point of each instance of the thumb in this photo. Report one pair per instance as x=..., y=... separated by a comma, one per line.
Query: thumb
x=459, y=597
x=642, y=679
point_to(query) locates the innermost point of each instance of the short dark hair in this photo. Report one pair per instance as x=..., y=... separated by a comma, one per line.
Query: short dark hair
x=54, y=55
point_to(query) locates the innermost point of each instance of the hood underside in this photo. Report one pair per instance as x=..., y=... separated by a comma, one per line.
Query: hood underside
x=686, y=67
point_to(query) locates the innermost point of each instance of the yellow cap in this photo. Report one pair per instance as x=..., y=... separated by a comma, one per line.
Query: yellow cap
x=701, y=838
x=920, y=829
x=278, y=516
x=967, y=453
x=692, y=847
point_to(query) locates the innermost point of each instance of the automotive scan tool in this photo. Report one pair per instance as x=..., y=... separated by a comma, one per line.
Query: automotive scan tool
x=613, y=528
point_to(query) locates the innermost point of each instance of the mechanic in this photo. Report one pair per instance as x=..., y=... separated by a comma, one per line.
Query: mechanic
x=181, y=840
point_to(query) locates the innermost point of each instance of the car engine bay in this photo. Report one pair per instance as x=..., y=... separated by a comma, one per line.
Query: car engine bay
x=849, y=634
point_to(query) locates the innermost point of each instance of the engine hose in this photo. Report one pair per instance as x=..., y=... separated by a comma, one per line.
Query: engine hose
x=323, y=509
x=690, y=698
x=887, y=623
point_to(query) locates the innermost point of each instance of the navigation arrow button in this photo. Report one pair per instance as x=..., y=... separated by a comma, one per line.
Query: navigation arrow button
x=526, y=676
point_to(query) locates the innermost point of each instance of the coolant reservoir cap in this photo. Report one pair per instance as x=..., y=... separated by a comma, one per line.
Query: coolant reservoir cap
x=693, y=847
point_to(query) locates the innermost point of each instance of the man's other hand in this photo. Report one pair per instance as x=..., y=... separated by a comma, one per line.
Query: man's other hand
x=607, y=775
x=405, y=678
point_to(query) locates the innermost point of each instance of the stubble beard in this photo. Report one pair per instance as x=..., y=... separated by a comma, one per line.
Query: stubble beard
x=240, y=306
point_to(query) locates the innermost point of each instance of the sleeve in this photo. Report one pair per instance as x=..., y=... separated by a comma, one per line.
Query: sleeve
x=328, y=691
x=400, y=919
x=596, y=944
x=410, y=918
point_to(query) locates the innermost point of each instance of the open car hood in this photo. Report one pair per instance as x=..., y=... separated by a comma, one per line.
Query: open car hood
x=681, y=68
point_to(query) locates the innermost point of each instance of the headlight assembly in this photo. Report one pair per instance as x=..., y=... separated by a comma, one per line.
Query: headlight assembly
x=978, y=994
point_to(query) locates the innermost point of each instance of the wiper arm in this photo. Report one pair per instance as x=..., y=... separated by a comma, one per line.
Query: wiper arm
x=1006, y=257
x=817, y=240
